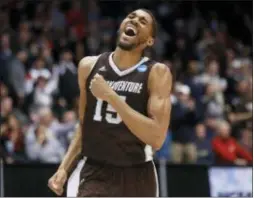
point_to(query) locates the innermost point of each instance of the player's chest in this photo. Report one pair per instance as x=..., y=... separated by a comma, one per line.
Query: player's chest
x=133, y=84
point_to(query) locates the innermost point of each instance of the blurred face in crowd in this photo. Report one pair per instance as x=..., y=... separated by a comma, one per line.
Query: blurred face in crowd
x=183, y=97
x=13, y=123
x=211, y=123
x=200, y=131
x=41, y=82
x=247, y=137
x=213, y=68
x=24, y=37
x=41, y=132
x=34, y=49
x=223, y=129
x=6, y=105
x=46, y=117
x=242, y=87
x=210, y=89
x=69, y=116
x=5, y=41
x=67, y=56
x=39, y=64
x=193, y=67
x=24, y=27
x=22, y=56
x=180, y=43
x=230, y=55
x=136, y=31
x=3, y=91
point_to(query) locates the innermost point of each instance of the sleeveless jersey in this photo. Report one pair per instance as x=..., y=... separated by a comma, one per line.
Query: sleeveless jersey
x=105, y=137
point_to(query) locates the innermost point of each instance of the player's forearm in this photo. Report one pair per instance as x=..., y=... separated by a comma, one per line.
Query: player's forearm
x=146, y=129
x=73, y=152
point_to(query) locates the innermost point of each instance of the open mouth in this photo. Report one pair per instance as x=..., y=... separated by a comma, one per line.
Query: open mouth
x=130, y=31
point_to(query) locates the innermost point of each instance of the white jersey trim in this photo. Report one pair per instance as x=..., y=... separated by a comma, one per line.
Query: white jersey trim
x=148, y=153
x=126, y=71
x=74, y=179
x=156, y=180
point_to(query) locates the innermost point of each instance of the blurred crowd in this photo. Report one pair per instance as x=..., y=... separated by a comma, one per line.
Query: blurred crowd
x=42, y=42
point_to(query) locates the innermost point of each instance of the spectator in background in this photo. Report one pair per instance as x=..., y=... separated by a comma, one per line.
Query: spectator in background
x=68, y=85
x=184, y=116
x=217, y=71
x=211, y=76
x=246, y=140
x=38, y=67
x=5, y=55
x=4, y=91
x=16, y=71
x=203, y=144
x=12, y=140
x=7, y=109
x=67, y=130
x=190, y=79
x=43, y=92
x=206, y=40
x=24, y=36
x=57, y=17
x=61, y=131
x=42, y=145
x=240, y=115
x=227, y=150
x=213, y=106
x=76, y=21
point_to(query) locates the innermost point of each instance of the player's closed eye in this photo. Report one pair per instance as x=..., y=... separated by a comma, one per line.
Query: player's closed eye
x=143, y=22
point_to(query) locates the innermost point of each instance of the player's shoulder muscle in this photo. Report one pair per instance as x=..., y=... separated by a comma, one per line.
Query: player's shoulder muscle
x=160, y=78
x=86, y=65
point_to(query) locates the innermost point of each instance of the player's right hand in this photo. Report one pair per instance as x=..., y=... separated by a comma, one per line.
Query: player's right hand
x=57, y=181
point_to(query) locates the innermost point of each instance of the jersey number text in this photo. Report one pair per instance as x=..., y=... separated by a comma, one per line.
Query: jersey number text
x=110, y=111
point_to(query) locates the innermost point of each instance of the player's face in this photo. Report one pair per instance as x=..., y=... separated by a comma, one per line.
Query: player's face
x=135, y=31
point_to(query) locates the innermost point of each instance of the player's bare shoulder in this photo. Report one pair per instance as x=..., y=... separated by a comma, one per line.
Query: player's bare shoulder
x=160, y=69
x=160, y=77
x=86, y=65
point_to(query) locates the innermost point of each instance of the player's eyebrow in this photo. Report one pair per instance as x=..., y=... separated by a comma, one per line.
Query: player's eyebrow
x=143, y=18
x=133, y=13
x=140, y=17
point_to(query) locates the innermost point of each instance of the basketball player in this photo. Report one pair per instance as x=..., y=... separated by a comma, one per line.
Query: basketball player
x=124, y=114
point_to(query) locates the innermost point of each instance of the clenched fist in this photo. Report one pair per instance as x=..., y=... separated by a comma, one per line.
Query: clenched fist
x=57, y=181
x=100, y=88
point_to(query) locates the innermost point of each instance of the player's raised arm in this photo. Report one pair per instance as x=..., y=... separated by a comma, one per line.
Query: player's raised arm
x=151, y=130
x=159, y=103
x=58, y=180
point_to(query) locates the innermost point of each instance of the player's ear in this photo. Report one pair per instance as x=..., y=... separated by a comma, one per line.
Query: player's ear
x=150, y=42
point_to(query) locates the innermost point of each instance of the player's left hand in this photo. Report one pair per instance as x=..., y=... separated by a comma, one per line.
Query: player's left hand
x=100, y=88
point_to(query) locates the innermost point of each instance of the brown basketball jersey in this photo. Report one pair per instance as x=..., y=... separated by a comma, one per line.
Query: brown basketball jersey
x=105, y=136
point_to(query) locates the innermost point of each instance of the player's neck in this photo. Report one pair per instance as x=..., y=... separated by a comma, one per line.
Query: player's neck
x=125, y=59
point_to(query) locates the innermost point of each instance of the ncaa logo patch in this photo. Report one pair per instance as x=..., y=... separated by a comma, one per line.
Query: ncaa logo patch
x=142, y=68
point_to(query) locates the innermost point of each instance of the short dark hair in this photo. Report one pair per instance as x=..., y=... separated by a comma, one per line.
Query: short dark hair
x=154, y=25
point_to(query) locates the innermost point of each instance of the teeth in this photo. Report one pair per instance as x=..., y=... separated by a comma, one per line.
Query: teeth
x=131, y=28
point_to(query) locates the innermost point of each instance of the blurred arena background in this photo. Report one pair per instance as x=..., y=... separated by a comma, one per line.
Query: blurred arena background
x=207, y=45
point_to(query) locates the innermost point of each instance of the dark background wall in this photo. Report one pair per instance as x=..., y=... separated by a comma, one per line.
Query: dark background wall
x=31, y=180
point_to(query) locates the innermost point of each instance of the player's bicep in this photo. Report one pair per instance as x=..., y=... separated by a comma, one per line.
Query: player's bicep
x=159, y=105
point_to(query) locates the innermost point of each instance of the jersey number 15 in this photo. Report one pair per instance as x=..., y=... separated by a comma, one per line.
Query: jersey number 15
x=109, y=115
